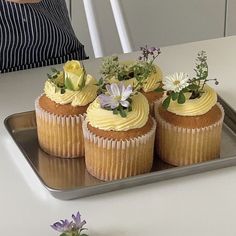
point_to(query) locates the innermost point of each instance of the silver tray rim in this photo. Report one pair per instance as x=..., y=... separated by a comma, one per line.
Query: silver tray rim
x=148, y=178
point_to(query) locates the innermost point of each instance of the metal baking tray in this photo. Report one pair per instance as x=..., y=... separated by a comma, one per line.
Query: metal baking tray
x=68, y=179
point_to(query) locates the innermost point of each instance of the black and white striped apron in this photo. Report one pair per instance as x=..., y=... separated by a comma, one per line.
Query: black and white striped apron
x=34, y=35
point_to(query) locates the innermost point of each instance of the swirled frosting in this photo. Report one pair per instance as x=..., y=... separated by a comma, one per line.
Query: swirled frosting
x=152, y=82
x=197, y=106
x=76, y=98
x=106, y=120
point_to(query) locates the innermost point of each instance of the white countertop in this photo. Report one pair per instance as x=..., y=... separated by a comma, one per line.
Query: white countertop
x=202, y=204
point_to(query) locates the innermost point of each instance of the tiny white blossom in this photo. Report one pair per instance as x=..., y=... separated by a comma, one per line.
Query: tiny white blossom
x=175, y=82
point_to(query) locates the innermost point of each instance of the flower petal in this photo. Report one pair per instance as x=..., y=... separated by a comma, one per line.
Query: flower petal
x=115, y=90
x=62, y=226
x=77, y=218
x=175, y=82
x=58, y=227
x=126, y=93
x=81, y=224
x=108, y=88
x=108, y=101
x=124, y=103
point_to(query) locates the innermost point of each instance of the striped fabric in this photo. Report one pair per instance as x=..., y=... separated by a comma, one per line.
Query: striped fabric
x=35, y=35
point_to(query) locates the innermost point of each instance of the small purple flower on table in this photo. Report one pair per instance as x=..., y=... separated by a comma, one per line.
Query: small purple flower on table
x=70, y=228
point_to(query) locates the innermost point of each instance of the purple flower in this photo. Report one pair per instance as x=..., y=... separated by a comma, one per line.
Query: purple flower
x=62, y=226
x=65, y=226
x=117, y=95
x=77, y=219
x=153, y=51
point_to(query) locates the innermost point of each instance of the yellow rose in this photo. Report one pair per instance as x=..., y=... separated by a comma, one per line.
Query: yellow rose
x=74, y=75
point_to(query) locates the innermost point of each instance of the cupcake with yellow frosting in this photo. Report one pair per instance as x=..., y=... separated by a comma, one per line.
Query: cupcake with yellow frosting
x=119, y=134
x=142, y=74
x=60, y=110
x=189, y=119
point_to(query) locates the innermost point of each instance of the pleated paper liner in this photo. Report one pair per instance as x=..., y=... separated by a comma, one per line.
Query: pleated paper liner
x=185, y=146
x=110, y=159
x=59, y=135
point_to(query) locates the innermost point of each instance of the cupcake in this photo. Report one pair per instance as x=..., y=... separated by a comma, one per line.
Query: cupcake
x=60, y=110
x=189, y=119
x=142, y=74
x=119, y=134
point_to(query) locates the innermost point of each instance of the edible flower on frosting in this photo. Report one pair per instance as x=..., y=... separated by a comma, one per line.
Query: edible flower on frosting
x=117, y=98
x=74, y=75
x=72, y=85
x=179, y=86
x=175, y=82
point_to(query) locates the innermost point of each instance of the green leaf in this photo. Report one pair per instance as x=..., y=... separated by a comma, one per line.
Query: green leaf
x=54, y=70
x=69, y=84
x=181, y=98
x=63, y=91
x=63, y=234
x=159, y=90
x=100, y=82
x=49, y=76
x=174, y=95
x=84, y=235
x=122, y=112
x=84, y=77
x=166, y=102
x=115, y=111
x=185, y=90
x=193, y=87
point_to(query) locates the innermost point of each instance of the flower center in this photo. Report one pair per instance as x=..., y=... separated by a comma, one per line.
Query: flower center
x=176, y=82
x=117, y=98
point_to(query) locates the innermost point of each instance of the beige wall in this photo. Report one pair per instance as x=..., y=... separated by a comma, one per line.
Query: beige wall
x=231, y=18
x=154, y=22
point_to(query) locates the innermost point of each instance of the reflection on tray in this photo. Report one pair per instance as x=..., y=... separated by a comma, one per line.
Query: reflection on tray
x=62, y=173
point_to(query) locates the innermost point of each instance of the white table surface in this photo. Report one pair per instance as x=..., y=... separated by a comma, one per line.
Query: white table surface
x=202, y=204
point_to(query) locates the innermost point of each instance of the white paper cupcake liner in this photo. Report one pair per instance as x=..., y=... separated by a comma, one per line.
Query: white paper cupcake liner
x=184, y=146
x=59, y=135
x=110, y=159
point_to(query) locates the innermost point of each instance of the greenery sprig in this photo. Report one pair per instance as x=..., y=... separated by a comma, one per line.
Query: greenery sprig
x=140, y=69
x=178, y=84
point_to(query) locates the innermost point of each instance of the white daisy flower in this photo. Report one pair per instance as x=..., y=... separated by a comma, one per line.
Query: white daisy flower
x=117, y=94
x=175, y=82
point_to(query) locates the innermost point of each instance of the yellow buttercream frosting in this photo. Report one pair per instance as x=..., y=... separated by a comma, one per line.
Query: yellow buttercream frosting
x=153, y=81
x=106, y=120
x=75, y=98
x=197, y=106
